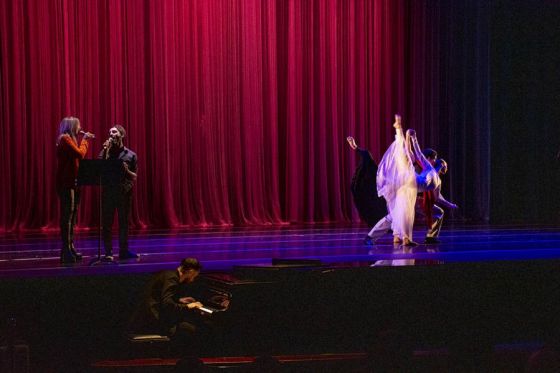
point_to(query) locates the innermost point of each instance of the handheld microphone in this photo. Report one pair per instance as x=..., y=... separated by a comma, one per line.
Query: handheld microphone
x=108, y=143
x=91, y=135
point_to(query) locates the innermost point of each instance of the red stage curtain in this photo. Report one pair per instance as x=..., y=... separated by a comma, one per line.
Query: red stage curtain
x=238, y=110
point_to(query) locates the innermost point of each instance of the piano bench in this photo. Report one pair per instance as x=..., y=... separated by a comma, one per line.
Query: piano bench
x=147, y=345
x=147, y=338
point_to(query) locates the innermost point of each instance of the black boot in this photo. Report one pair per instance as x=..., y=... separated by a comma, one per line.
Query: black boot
x=66, y=256
x=76, y=254
x=127, y=254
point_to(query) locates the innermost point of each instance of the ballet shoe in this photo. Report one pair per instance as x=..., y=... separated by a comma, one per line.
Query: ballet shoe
x=431, y=240
x=410, y=243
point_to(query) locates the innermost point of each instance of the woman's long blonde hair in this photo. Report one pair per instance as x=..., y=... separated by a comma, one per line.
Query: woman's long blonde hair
x=67, y=127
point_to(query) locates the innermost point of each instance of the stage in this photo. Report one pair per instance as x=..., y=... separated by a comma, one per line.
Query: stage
x=482, y=285
x=221, y=249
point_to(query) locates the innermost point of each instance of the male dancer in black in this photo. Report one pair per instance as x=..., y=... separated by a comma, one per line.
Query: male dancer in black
x=370, y=206
x=118, y=194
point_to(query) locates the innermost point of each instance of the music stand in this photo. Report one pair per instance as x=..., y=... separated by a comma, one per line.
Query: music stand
x=100, y=172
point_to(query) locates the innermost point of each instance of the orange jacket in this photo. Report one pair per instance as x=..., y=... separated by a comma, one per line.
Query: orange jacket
x=68, y=155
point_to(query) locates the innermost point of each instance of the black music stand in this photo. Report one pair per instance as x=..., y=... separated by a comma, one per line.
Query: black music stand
x=100, y=172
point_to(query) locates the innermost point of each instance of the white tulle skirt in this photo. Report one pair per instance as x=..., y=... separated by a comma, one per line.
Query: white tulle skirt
x=396, y=182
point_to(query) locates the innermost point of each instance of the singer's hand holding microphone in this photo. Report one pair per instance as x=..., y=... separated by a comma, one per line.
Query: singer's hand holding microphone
x=107, y=144
x=87, y=135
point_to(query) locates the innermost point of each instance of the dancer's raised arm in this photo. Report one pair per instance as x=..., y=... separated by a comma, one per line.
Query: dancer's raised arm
x=352, y=142
x=424, y=163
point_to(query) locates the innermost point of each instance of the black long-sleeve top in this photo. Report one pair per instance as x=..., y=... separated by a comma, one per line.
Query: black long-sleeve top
x=160, y=308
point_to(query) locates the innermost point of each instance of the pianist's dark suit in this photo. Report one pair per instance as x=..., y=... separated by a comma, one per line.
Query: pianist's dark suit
x=160, y=310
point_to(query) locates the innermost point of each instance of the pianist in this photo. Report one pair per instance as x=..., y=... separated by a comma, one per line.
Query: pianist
x=165, y=308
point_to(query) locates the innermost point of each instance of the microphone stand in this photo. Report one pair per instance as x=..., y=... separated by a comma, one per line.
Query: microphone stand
x=98, y=260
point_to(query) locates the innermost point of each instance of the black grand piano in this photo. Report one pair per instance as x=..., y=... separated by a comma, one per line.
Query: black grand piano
x=279, y=307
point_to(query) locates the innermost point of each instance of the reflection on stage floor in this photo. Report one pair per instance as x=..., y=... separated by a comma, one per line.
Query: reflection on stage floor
x=220, y=249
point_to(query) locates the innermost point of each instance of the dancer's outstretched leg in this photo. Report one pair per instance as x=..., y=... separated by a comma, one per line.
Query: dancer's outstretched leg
x=378, y=230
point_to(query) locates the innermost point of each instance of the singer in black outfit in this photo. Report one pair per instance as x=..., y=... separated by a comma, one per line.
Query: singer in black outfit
x=118, y=194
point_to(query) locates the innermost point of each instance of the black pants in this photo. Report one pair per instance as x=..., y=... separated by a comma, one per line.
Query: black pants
x=69, y=201
x=115, y=198
x=192, y=336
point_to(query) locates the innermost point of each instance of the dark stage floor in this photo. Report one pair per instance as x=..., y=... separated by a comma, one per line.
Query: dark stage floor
x=37, y=254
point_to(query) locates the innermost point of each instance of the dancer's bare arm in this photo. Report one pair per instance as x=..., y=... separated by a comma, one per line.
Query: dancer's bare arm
x=417, y=151
x=352, y=142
